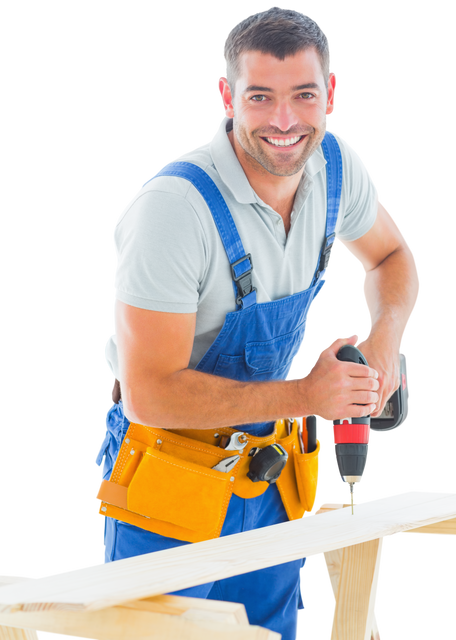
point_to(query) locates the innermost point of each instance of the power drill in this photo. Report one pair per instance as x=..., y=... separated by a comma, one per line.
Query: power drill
x=351, y=435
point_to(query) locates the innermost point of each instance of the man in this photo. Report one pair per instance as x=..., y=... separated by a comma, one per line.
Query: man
x=193, y=354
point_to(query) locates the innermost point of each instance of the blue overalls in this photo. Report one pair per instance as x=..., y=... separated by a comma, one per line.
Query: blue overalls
x=257, y=342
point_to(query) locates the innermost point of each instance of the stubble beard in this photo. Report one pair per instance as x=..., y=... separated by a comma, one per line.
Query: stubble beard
x=288, y=165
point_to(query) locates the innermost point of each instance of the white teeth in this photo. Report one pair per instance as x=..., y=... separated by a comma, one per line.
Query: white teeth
x=284, y=142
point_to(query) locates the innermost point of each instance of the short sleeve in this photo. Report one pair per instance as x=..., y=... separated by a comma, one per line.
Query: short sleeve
x=162, y=253
x=359, y=200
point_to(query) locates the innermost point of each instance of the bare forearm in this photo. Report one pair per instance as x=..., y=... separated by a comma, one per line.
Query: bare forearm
x=391, y=290
x=194, y=400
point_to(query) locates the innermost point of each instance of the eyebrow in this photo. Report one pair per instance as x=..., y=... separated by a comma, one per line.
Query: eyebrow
x=301, y=87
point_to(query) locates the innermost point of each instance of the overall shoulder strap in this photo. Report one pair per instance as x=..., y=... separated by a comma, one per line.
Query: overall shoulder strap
x=240, y=262
x=334, y=174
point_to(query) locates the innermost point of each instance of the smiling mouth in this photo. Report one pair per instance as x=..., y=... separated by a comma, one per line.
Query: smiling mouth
x=284, y=142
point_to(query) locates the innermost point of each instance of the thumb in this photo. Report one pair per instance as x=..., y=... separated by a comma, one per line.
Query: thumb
x=341, y=342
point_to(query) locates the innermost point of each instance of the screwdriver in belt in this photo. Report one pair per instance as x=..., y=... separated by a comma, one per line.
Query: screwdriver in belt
x=307, y=436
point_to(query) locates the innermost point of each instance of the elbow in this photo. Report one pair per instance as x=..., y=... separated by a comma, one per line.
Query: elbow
x=140, y=407
x=133, y=409
x=132, y=412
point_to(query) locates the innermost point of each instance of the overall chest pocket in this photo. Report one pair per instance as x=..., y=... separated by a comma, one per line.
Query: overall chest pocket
x=262, y=359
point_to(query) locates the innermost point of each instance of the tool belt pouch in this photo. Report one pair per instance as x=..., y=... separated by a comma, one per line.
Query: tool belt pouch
x=297, y=483
x=164, y=483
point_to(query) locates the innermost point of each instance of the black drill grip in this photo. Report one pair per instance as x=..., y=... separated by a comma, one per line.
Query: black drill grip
x=349, y=353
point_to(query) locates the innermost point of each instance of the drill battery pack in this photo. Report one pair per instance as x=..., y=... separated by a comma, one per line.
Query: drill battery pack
x=396, y=408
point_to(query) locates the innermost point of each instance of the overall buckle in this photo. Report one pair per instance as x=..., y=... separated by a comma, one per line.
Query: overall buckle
x=244, y=281
x=326, y=253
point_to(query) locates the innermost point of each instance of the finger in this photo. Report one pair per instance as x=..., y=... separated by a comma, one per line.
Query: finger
x=361, y=411
x=341, y=342
x=361, y=371
x=381, y=400
x=378, y=409
x=376, y=414
x=385, y=392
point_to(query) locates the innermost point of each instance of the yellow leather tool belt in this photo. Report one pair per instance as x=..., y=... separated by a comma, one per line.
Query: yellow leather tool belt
x=164, y=481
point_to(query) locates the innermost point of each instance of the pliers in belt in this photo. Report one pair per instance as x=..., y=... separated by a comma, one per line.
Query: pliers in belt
x=237, y=442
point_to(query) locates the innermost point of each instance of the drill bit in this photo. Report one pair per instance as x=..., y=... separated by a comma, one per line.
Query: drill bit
x=351, y=491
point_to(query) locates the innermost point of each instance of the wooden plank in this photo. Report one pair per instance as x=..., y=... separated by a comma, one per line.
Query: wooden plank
x=166, y=571
x=4, y=580
x=125, y=623
x=196, y=609
x=445, y=526
x=10, y=633
x=213, y=616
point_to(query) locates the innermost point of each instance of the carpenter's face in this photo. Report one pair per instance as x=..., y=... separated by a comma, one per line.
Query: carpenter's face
x=279, y=109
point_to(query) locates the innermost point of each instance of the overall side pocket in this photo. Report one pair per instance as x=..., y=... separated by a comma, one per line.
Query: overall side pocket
x=179, y=492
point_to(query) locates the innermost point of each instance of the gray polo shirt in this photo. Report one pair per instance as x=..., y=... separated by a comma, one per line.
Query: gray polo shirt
x=171, y=258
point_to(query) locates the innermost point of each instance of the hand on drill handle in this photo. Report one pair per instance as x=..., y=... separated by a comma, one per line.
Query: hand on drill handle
x=383, y=356
x=333, y=389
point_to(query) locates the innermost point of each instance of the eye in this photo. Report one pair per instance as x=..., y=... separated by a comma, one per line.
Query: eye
x=263, y=96
x=306, y=96
x=258, y=98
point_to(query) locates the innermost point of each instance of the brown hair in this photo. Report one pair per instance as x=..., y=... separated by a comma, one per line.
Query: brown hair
x=279, y=32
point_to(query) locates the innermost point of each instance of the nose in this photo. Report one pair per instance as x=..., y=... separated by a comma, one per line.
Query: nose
x=283, y=116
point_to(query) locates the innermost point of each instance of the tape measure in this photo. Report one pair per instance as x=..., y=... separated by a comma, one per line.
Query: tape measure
x=267, y=463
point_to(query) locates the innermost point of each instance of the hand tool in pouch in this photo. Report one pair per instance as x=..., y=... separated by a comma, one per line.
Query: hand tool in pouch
x=351, y=435
x=266, y=465
x=307, y=436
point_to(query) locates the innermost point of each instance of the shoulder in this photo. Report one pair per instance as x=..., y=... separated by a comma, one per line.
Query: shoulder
x=348, y=151
x=351, y=162
x=359, y=203
x=167, y=197
x=173, y=185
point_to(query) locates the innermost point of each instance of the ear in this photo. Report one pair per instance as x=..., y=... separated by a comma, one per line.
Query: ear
x=226, y=97
x=331, y=89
